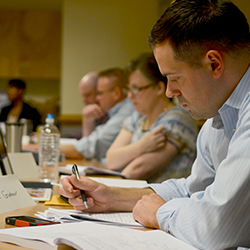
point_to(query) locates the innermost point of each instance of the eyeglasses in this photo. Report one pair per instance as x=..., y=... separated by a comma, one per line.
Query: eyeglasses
x=136, y=90
x=105, y=91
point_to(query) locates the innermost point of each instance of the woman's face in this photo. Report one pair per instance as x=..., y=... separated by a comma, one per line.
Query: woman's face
x=142, y=92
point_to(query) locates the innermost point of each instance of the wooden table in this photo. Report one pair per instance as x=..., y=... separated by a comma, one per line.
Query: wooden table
x=40, y=206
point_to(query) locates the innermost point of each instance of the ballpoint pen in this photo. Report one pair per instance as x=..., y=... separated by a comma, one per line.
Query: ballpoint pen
x=76, y=173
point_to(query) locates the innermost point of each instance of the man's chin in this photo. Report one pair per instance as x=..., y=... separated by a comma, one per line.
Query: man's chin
x=194, y=115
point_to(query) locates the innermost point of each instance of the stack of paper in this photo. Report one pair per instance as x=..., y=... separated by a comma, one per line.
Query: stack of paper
x=70, y=215
x=88, y=235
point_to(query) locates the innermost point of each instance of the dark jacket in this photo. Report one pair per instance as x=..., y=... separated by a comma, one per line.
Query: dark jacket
x=27, y=112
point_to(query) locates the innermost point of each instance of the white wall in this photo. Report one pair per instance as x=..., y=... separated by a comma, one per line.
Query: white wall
x=244, y=6
x=100, y=34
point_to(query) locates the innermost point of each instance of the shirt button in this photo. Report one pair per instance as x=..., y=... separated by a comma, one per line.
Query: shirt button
x=233, y=130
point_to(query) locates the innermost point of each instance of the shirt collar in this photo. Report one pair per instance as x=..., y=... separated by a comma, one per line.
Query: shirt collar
x=235, y=99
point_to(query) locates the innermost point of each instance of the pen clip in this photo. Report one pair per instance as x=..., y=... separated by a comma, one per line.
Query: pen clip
x=75, y=171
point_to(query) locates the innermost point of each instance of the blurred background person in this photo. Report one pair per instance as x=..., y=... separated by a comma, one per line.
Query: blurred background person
x=87, y=89
x=158, y=141
x=18, y=109
x=114, y=102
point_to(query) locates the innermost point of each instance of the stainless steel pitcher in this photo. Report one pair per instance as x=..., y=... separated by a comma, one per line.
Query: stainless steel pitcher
x=14, y=133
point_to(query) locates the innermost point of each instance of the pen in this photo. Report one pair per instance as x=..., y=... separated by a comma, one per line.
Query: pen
x=56, y=184
x=75, y=172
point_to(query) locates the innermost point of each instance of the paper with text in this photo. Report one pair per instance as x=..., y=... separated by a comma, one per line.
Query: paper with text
x=13, y=195
x=62, y=215
x=92, y=236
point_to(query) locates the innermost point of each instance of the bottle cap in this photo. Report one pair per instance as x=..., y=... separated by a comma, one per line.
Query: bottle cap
x=50, y=118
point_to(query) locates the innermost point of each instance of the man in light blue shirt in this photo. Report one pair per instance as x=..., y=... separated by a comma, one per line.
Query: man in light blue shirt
x=112, y=102
x=203, y=48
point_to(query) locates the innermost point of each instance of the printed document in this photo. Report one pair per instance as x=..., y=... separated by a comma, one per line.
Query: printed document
x=91, y=236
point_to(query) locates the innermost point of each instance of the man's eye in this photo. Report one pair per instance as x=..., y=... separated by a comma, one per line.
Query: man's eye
x=174, y=80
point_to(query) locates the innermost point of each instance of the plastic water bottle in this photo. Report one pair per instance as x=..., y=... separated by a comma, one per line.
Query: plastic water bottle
x=49, y=151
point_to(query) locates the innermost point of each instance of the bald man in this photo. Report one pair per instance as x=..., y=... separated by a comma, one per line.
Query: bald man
x=92, y=110
x=87, y=88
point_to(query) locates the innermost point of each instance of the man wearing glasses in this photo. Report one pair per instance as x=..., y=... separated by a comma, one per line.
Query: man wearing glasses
x=113, y=102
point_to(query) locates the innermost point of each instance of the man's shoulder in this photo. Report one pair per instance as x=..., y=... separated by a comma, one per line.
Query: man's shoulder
x=28, y=107
x=4, y=112
x=7, y=107
x=125, y=107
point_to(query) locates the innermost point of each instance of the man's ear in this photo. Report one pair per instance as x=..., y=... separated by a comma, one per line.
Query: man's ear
x=117, y=92
x=214, y=61
x=161, y=87
x=21, y=92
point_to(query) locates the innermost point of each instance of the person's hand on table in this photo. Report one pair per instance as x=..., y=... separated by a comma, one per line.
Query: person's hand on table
x=146, y=208
x=102, y=198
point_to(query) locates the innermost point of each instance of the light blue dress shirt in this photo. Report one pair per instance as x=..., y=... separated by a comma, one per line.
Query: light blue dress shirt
x=97, y=143
x=211, y=208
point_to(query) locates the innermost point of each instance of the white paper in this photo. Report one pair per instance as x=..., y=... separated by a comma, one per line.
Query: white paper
x=13, y=195
x=83, y=170
x=111, y=182
x=63, y=215
x=93, y=236
x=126, y=183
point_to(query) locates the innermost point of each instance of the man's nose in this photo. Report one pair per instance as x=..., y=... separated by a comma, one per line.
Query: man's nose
x=172, y=90
x=97, y=98
x=129, y=94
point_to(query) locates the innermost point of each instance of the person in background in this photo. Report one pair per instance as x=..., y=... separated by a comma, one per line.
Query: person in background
x=205, y=54
x=92, y=110
x=157, y=141
x=115, y=104
x=18, y=109
x=87, y=89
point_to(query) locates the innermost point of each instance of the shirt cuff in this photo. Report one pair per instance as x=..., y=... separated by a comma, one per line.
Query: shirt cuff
x=168, y=210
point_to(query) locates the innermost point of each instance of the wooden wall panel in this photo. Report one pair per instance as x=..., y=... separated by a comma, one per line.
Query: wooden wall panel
x=30, y=44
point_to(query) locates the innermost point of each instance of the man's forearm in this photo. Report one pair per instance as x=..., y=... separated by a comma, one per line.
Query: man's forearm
x=70, y=152
x=124, y=199
x=88, y=127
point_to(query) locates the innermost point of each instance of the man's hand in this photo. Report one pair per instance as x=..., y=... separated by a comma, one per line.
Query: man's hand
x=97, y=194
x=93, y=112
x=145, y=210
x=100, y=197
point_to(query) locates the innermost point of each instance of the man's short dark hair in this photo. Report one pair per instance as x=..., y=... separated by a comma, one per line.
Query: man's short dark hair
x=118, y=73
x=17, y=83
x=192, y=27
